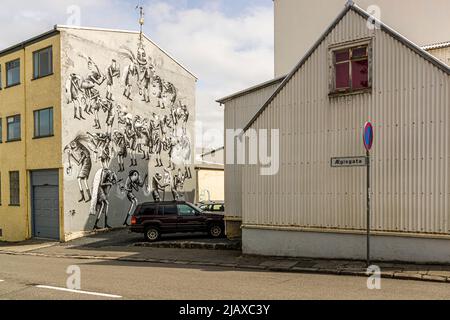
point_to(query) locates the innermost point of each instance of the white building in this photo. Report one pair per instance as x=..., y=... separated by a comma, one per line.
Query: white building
x=353, y=73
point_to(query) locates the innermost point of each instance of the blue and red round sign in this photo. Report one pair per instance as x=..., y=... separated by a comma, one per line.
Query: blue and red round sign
x=368, y=136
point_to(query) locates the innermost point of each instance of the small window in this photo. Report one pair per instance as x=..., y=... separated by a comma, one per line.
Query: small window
x=185, y=210
x=43, y=123
x=1, y=130
x=14, y=197
x=170, y=210
x=42, y=63
x=351, y=69
x=13, y=128
x=13, y=73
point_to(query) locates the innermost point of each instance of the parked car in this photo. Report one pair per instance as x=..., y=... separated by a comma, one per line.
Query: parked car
x=212, y=206
x=154, y=219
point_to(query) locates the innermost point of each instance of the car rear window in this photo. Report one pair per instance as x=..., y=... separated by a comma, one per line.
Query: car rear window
x=148, y=210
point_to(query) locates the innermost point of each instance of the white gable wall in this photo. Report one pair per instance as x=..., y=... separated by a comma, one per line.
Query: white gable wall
x=409, y=106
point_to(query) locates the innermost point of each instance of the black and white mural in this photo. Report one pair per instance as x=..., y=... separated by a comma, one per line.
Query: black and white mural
x=128, y=134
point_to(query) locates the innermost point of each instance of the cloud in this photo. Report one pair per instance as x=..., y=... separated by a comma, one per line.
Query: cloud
x=228, y=53
x=227, y=44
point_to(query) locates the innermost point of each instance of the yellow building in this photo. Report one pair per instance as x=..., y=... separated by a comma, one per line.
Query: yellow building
x=67, y=98
x=30, y=87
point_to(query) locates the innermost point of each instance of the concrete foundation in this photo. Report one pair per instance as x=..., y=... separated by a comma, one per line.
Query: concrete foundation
x=415, y=249
x=233, y=228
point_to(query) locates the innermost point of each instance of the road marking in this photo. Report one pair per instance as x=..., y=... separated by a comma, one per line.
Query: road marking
x=80, y=292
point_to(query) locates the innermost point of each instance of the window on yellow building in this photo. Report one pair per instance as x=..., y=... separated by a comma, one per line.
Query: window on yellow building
x=43, y=123
x=13, y=128
x=42, y=63
x=13, y=73
x=14, y=196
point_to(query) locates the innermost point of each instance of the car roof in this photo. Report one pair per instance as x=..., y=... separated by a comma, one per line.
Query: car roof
x=163, y=203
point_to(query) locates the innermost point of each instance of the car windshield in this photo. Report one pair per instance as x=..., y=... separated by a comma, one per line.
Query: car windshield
x=199, y=208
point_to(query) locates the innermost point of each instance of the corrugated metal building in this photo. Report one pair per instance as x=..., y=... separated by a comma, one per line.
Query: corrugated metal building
x=310, y=209
x=240, y=108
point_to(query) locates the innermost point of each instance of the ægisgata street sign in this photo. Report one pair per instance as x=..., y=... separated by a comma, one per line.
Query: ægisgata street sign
x=345, y=162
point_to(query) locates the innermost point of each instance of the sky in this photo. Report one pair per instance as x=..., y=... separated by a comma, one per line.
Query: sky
x=227, y=44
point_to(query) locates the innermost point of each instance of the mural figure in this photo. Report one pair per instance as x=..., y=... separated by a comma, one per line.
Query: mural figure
x=108, y=108
x=133, y=184
x=74, y=93
x=104, y=180
x=112, y=72
x=181, y=114
x=120, y=144
x=131, y=72
x=91, y=94
x=158, y=186
x=80, y=154
x=178, y=185
x=131, y=135
x=156, y=134
x=146, y=82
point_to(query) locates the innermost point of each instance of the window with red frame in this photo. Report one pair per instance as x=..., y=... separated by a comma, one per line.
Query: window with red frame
x=351, y=67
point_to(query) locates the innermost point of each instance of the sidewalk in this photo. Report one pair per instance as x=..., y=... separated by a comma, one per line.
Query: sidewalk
x=122, y=246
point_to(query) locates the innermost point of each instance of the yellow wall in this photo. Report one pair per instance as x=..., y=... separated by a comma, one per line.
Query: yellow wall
x=213, y=181
x=28, y=154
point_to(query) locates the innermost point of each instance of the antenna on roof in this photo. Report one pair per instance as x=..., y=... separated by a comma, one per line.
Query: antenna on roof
x=141, y=18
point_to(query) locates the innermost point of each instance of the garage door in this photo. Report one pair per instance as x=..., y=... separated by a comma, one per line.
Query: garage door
x=45, y=200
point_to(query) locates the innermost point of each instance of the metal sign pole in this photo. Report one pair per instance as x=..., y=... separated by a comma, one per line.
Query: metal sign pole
x=368, y=209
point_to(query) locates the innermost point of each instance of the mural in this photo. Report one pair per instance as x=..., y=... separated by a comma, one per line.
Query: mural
x=133, y=124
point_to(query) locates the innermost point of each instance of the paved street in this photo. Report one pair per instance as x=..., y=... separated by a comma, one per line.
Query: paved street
x=22, y=275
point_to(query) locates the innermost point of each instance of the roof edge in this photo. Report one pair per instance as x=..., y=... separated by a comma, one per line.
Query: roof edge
x=347, y=8
x=250, y=89
x=132, y=32
x=435, y=46
x=26, y=43
x=350, y=5
x=212, y=151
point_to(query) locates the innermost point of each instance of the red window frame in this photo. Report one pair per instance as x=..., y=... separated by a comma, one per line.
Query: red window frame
x=351, y=69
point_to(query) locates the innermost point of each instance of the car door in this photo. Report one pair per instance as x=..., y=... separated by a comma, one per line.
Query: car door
x=189, y=219
x=169, y=217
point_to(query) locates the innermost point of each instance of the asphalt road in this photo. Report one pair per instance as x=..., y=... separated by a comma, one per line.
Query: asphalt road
x=24, y=276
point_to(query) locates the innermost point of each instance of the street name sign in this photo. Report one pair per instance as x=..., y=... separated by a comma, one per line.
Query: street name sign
x=347, y=162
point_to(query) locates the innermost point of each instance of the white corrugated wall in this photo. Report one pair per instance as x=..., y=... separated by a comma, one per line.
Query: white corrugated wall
x=238, y=113
x=409, y=106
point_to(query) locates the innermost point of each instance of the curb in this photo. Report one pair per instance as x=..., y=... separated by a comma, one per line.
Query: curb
x=234, y=246
x=300, y=270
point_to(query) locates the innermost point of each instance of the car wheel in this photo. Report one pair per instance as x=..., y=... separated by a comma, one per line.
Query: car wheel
x=152, y=234
x=216, y=231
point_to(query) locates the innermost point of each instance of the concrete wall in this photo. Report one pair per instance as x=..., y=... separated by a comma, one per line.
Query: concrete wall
x=128, y=131
x=299, y=23
x=291, y=243
x=28, y=153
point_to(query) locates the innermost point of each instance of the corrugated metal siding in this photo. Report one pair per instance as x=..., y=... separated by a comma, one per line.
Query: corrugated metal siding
x=442, y=54
x=409, y=106
x=238, y=113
